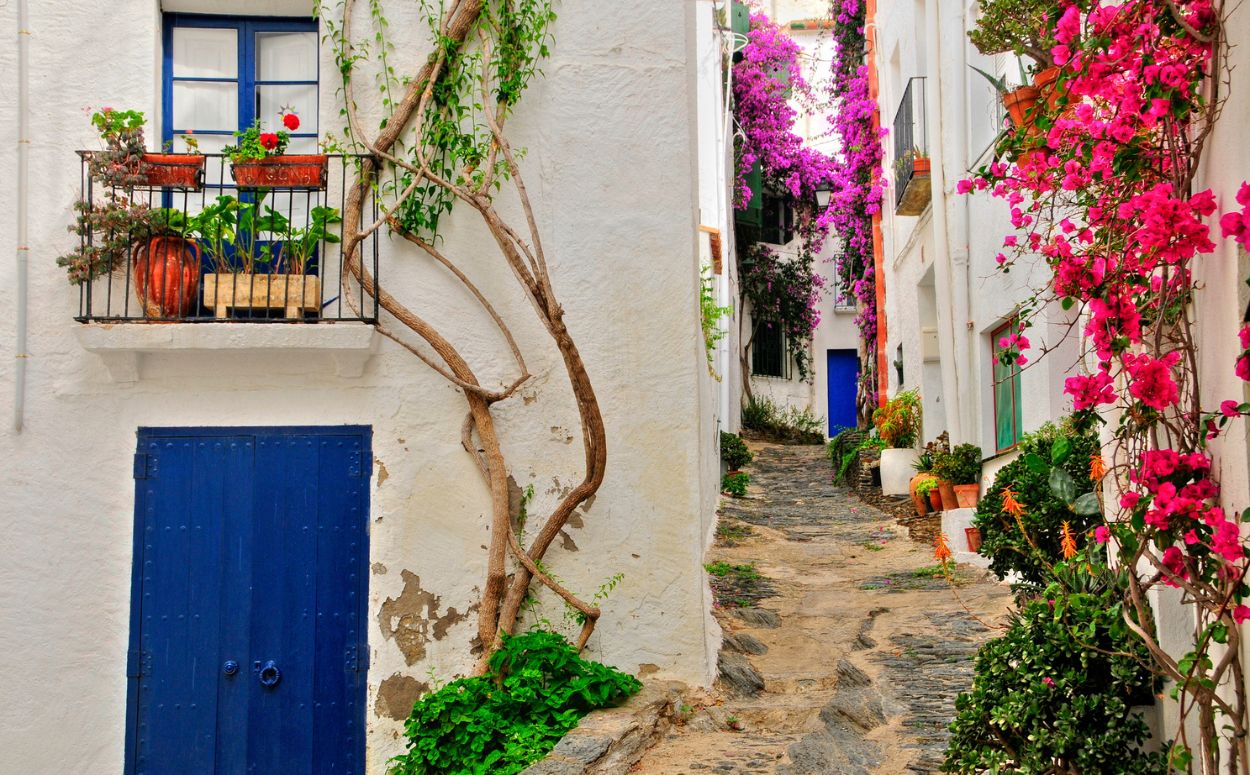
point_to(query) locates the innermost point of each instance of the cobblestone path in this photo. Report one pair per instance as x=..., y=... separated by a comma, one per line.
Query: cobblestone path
x=845, y=654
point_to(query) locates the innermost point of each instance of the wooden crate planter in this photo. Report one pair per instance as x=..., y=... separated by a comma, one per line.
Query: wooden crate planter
x=295, y=294
x=917, y=191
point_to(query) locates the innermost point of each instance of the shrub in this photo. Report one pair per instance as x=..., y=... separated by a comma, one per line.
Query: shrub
x=962, y=465
x=787, y=425
x=1023, y=27
x=734, y=452
x=536, y=689
x=845, y=448
x=735, y=484
x=898, y=422
x=1055, y=694
x=1044, y=511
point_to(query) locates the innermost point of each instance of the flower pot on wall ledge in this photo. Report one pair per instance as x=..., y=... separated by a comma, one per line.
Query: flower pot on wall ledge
x=897, y=469
x=286, y=171
x=967, y=495
x=173, y=170
x=973, y=536
x=1020, y=103
x=946, y=491
x=1044, y=82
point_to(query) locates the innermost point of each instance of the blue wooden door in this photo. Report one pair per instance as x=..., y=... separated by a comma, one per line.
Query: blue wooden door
x=842, y=383
x=248, y=614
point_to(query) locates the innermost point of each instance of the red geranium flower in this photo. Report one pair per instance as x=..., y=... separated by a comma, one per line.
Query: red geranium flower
x=291, y=121
x=269, y=140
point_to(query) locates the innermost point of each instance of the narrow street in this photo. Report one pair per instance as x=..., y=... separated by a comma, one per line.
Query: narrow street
x=845, y=647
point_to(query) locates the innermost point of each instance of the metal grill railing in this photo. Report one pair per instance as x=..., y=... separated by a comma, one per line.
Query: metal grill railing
x=212, y=250
x=911, y=139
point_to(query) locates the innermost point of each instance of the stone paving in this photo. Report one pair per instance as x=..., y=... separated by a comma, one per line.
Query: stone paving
x=846, y=654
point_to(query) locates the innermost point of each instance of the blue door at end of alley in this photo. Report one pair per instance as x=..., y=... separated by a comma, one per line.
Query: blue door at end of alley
x=842, y=384
x=248, y=646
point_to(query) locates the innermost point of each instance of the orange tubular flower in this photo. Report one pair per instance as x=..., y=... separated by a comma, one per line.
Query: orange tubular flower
x=1010, y=505
x=1097, y=468
x=1068, y=543
x=942, y=550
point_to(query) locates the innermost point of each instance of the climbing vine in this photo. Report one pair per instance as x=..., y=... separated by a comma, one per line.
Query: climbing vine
x=784, y=292
x=441, y=146
x=1100, y=184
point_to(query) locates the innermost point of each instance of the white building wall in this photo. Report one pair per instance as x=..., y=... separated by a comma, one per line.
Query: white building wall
x=612, y=166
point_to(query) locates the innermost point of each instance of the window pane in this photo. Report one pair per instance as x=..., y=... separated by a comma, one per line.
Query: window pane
x=205, y=53
x=286, y=56
x=1004, y=411
x=199, y=105
x=272, y=101
x=302, y=144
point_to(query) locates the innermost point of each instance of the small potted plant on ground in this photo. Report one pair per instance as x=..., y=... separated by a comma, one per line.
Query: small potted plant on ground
x=898, y=426
x=928, y=490
x=923, y=466
x=259, y=159
x=962, y=468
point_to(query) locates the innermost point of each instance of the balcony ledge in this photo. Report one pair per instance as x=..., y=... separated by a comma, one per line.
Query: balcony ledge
x=122, y=346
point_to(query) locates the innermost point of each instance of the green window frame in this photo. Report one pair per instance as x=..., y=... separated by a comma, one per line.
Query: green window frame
x=1006, y=392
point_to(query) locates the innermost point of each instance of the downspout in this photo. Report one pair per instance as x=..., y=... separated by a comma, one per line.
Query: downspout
x=23, y=177
x=949, y=273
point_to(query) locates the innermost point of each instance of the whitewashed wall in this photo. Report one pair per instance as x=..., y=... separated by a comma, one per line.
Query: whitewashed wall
x=611, y=134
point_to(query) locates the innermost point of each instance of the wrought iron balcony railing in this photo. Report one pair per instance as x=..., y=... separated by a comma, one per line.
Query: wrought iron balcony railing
x=195, y=240
x=911, y=150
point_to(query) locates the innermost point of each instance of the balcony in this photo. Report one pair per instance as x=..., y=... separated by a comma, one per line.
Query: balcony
x=911, y=152
x=202, y=248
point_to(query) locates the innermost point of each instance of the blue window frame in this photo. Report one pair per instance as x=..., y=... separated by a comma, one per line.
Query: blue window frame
x=247, y=76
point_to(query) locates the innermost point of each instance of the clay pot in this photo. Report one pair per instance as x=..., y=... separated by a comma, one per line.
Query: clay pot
x=967, y=495
x=1044, y=82
x=167, y=276
x=1020, y=103
x=295, y=171
x=921, y=165
x=973, y=537
x=935, y=499
x=173, y=170
x=947, y=491
x=918, y=500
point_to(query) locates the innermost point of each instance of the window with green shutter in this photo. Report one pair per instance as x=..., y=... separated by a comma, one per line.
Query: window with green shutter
x=1007, y=411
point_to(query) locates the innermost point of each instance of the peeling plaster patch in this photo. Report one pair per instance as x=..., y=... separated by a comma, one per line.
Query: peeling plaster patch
x=412, y=619
x=567, y=541
x=562, y=434
x=646, y=668
x=378, y=569
x=383, y=474
x=397, y=695
x=515, y=494
x=575, y=520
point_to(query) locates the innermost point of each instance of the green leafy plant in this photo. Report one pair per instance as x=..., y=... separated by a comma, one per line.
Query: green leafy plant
x=535, y=690
x=1049, y=478
x=898, y=422
x=784, y=424
x=735, y=484
x=1056, y=692
x=710, y=314
x=299, y=245
x=845, y=447
x=1023, y=27
x=721, y=569
x=734, y=452
x=252, y=144
x=962, y=465
x=926, y=486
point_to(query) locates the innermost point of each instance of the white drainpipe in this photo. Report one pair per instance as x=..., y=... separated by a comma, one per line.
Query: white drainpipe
x=23, y=177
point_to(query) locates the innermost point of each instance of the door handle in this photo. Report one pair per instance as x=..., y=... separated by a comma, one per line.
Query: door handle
x=230, y=667
x=268, y=674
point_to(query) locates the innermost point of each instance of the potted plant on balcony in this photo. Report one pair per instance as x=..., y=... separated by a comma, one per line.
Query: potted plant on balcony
x=166, y=274
x=962, y=468
x=898, y=425
x=1024, y=28
x=125, y=164
x=259, y=159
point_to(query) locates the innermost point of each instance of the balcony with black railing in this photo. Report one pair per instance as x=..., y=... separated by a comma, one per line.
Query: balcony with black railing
x=911, y=151
x=192, y=238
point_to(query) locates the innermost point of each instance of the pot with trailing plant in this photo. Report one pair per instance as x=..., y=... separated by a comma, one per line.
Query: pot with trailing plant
x=124, y=162
x=924, y=467
x=1024, y=28
x=898, y=427
x=259, y=159
x=961, y=467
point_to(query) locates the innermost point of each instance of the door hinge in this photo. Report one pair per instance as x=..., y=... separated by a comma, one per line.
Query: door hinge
x=136, y=664
x=357, y=659
x=145, y=465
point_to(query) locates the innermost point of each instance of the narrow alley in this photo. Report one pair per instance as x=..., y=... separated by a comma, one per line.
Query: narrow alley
x=845, y=646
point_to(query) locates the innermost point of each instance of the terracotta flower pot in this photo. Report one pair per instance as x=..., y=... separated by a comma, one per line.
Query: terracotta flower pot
x=921, y=165
x=917, y=499
x=1019, y=104
x=167, y=276
x=973, y=536
x=967, y=495
x=935, y=499
x=947, y=493
x=173, y=170
x=1044, y=82
x=294, y=171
